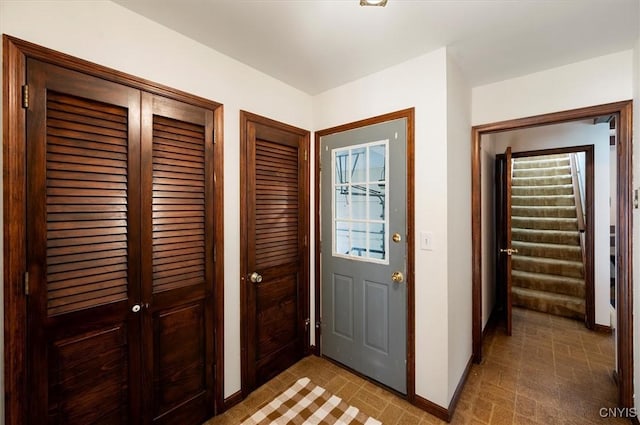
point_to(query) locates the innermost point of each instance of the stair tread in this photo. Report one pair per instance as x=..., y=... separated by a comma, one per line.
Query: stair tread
x=546, y=245
x=547, y=295
x=547, y=260
x=547, y=277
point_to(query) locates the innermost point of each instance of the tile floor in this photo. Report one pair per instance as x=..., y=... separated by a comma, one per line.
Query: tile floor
x=551, y=371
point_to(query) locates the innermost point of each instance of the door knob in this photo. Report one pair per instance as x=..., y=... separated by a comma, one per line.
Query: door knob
x=136, y=308
x=509, y=251
x=397, y=277
x=255, y=277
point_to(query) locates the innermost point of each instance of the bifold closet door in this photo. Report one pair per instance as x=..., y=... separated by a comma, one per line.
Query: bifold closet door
x=83, y=248
x=120, y=255
x=177, y=260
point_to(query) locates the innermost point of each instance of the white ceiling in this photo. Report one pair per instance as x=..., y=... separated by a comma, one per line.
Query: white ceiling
x=316, y=45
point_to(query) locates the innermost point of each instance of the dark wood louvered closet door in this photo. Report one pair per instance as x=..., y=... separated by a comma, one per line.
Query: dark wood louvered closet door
x=120, y=219
x=276, y=248
x=82, y=248
x=177, y=271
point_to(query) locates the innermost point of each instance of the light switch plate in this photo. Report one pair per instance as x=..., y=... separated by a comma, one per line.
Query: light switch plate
x=426, y=241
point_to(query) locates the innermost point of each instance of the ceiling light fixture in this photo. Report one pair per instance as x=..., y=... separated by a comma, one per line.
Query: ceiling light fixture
x=373, y=3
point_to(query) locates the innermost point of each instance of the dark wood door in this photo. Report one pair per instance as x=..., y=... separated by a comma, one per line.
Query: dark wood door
x=83, y=249
x=120, y=254
x=275, y=208
x=506, y=249
x=177, y=261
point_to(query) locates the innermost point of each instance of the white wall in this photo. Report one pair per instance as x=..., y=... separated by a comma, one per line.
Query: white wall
x=107, y=34
x=458, y=222
x=419, y=83
x=488, y=230
x=576, y=134
x=592, y=82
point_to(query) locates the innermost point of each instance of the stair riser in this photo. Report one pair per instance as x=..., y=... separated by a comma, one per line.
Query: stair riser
x=534, y=172
x=541, y=181
x=522, y=164
x=545, y=237
x=566, y=288
x=542, y=190
x=561, y=252
x=526, y=265
x=543, y=211
x=541, y=223
x=561, y=309
x=548, y=201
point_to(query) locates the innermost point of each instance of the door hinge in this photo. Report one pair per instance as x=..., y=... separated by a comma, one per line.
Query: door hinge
x=215, y=252
x=25, y=96
x=26, y=283
x=307, y=322
x=214, y=137
x=305, y=154
x=305, y=240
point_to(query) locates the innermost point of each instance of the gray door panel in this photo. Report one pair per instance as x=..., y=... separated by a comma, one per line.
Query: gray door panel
x=364, y=313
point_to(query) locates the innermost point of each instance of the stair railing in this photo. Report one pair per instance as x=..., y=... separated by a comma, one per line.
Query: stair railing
x=579, y=201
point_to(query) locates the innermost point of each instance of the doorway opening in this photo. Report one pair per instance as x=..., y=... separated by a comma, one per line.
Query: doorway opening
x=622, y=200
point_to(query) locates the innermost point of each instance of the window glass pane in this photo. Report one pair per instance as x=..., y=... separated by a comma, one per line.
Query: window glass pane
x=377, y=199
x=342, y=244
x=341, y=175
x=359, y=165
x=342, y=202
x=360, y=214
x=359, y=202
x=359, y=239
x=377, y=163
x=377, y=238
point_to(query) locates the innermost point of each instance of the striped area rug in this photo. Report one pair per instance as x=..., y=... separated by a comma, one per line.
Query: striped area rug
x=307, y=403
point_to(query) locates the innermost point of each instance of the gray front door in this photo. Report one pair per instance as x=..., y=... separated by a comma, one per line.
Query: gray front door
x=363, y=222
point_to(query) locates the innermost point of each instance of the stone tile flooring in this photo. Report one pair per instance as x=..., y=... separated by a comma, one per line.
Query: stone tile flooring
x=551, y=371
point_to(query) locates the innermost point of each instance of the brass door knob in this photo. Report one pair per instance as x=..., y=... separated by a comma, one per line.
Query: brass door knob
x=396, y=237
x=509, y=251
x=397, y=277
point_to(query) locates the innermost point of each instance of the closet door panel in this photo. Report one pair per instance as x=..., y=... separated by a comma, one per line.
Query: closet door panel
x=82, y=248
x=177, y=268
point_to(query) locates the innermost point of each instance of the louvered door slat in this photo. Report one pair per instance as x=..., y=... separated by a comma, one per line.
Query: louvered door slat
x=178, y=204
x=86, y=203
x=276, y=210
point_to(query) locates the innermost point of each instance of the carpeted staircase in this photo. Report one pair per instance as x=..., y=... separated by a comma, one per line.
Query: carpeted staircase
x=547, y=271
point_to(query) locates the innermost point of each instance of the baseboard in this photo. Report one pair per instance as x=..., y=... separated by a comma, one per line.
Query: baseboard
x=432, y=408
x=456, y=395
x=231, y=401
x=602, y=328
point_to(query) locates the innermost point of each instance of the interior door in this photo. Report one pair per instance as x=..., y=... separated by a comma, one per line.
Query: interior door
x=363, y=227
x=177, y=262
x=506, y=250
x=83, y=251
x=275, y=270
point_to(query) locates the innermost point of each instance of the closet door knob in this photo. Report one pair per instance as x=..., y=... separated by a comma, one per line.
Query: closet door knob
x=136, y=308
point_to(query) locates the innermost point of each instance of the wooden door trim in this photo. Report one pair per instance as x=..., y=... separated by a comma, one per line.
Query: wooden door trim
x=409, y=114
x=623, y=110
x=304, y=138
x=15, y=55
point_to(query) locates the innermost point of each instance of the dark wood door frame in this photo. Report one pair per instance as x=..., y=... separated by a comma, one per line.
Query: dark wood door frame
x=15, y=55
x=589, y=240
x=409, y=114
x=304, y=136
x=623, y=112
